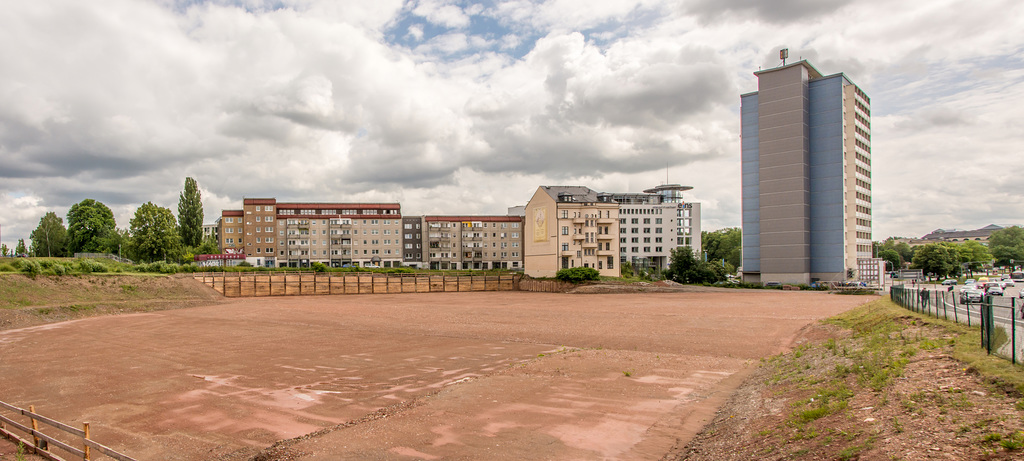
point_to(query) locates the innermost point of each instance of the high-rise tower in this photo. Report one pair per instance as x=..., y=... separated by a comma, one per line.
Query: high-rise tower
x=806, y=165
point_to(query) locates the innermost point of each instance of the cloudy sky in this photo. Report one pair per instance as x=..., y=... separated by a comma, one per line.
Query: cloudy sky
x=456, y=107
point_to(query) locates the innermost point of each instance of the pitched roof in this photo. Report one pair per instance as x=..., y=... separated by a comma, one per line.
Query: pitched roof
x=577, y=193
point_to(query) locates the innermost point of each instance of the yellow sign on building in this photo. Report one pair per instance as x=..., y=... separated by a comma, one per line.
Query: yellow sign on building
x=540, y=225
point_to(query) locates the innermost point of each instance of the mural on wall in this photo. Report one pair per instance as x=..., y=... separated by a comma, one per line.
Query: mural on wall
x=540, y=225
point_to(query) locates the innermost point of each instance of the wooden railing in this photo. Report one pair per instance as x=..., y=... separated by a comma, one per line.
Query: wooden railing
x=258, y=284
x=41, y=443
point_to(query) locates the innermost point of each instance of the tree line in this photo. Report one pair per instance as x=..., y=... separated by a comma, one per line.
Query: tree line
x=153, y=233
x=942, y=259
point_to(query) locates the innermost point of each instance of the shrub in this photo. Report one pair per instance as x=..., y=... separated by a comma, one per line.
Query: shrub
x=578, y=274
x=31, y=267
x=87, y=266
x=190, y=267
x=318, y=266
x=56, y=269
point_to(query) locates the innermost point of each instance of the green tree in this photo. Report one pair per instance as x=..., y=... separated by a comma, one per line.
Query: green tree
x=724, y=244
x=115, y=240
x=684, y=267
x=973, y=254
x=50, y=237
x=892, y=259
x=89, y=221
x=939, y=259
x=153, y=233
x=4, y=250
x=20, y=248
x=190, y=214
x=208, y=247
x=1007, y=246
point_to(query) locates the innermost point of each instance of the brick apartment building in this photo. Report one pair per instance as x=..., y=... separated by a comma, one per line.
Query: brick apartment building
x=473, y=242
x=285, y=234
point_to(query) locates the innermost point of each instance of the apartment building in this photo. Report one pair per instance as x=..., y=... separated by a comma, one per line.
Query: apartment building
x=806, y=175
x=655, y=222
x=413, y=241
x=571, y=226
x=474, y=242
x=284, y=234
x=212, y=230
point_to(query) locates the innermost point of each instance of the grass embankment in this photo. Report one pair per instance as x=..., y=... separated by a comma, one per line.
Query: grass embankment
x=27, y=301
x=887, y=384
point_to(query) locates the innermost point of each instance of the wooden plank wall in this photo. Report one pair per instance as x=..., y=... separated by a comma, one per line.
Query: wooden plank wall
x=260, y=284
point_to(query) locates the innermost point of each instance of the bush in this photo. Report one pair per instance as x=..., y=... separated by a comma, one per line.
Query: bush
x=578, y=274
x=56, y=269
x=87, y=266
x=318, y=266
x=31, y=267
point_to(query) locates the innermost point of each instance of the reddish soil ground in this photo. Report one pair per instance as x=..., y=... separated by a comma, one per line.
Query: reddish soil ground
x=495, y=375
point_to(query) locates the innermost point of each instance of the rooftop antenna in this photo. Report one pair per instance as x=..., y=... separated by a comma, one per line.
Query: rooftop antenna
x=783, y=54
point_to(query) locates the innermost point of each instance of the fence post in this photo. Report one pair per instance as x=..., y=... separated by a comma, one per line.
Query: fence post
x=85, y=427
x=35, y=427
x=1013, y=329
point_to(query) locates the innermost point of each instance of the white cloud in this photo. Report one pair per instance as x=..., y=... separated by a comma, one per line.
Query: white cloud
x=306, y=100
x=443, y=13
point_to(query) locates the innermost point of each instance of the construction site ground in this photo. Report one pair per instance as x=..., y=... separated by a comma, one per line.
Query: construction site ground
x=487, y=375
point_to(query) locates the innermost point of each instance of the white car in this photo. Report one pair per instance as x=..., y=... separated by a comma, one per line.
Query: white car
x=1008, y=283
x=971, y=295
x=994, y=290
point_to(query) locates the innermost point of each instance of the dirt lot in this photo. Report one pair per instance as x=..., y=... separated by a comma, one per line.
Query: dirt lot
x=497, y=375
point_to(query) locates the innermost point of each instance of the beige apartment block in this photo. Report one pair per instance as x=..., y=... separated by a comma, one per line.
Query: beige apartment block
x=282, y=234
x=474, y=242
x=571, y=226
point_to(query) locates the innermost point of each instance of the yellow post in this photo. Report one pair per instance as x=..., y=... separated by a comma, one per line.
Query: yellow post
x=35, y=426
x=85, y=426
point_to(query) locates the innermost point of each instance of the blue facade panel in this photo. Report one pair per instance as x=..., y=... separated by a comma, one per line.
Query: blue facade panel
x=825, y=131
x=751, y=193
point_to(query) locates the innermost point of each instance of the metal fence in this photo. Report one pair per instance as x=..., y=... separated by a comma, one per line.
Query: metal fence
x=1000, y=319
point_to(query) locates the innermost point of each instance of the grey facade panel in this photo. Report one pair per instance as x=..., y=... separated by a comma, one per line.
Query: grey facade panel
x=751, y=243
x=825, y=136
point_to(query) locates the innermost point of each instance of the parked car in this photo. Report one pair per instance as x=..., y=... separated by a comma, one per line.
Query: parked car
x=971, y=295
x=949, y=282
x=1008, y=283
x=994, y=290
x=772, y=284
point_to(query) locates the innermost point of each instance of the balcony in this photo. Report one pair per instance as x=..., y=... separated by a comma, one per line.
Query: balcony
x=607, y=221
x=589, y=244
x=605, y=237
x=569, y=253
x=578, y=236
x=606, y=252
x=579, y=220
